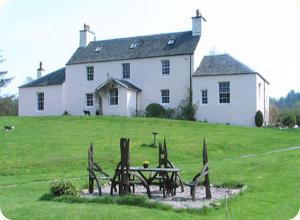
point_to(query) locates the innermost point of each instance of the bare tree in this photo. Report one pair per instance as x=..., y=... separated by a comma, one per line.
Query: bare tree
x=3, y=80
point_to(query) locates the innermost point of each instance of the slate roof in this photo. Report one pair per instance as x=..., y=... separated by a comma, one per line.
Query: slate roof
x=147, y=46
x=55, y=78
x=223, y=64
x=121, y=82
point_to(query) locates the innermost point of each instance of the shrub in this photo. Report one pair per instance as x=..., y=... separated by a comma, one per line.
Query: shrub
x=288, y=119
x=62, y=187
x=297, y=114
x=187, y=110
x=65, y=113
x=169, y=113
x=259, y=119
x=155, y=110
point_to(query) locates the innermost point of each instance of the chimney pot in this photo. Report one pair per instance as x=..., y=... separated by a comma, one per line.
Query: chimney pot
x=40, y=70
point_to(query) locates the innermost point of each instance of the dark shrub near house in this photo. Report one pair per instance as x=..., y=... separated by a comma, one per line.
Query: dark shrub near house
x=288, y=119
x=259, y=119
x=155, y=110
x=62, y=187
x=297, y=113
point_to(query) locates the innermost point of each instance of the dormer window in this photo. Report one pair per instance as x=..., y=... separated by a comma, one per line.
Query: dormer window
x=98, y=49
x=133, y=46
x=171, y=42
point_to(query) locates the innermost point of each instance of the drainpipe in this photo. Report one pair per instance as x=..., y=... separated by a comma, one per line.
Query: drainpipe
x=191, y=91
x=136, y=104
x=265, y=102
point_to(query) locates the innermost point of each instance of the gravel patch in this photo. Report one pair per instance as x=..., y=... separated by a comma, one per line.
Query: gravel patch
x=182, y=200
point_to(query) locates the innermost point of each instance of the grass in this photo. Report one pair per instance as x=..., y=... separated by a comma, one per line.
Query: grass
x=45, y=148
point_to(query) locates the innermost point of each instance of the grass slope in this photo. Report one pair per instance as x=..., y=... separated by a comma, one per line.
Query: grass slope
x=43, y=148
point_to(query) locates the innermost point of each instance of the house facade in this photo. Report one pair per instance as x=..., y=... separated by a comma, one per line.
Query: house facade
x=228, y=92
x=122, y=76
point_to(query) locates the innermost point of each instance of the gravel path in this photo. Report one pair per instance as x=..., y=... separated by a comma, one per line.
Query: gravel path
x=182, y=199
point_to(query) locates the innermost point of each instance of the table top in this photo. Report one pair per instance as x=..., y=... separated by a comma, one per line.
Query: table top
x=154, y=169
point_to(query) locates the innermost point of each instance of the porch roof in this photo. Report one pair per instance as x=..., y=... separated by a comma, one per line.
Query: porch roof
x=120, y=82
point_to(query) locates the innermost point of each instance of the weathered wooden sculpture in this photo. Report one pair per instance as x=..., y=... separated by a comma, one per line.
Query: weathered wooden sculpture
x=123, y=177
x=95, y=172
x=171, y=182
x=203, y=173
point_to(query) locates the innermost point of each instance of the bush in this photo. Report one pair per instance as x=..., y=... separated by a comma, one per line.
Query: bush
x=155, y=110
x=62, y=187
x=259, y=119
x=297, y=114
x=288, y=119
x=187, y=110
x=169, y=113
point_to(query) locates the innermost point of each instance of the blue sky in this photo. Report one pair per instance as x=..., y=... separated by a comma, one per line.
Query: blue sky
x=262, y=34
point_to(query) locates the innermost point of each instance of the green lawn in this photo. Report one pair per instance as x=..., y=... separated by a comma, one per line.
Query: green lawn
x=45, y=148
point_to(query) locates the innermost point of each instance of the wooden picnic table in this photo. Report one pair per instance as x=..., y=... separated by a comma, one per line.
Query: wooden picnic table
x=168, y=177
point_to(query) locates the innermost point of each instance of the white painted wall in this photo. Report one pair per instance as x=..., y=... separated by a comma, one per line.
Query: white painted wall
x=144, y=73
x=262, y=97
x=53, y=100
x=243, y=104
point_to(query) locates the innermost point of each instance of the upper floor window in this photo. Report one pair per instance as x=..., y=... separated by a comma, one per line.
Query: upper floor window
x=126, y=70
x=90, y=73
x=224, y=92
x=165, y=96
x=113, y=96
x=89, y=99
x=40, y=101
x=204, y=96
x=165, y=67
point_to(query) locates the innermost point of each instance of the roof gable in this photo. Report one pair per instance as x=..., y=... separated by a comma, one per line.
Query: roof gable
x=223, y=64
x=120, y=82
x=55, y=78
x=146, y=46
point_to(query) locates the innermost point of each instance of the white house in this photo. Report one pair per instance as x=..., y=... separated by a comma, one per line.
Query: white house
x=122, y=76
x=227, y=91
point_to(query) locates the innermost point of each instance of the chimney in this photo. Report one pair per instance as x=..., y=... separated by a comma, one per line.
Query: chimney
x=86, y=36
x=40, y=71
x=196, y=23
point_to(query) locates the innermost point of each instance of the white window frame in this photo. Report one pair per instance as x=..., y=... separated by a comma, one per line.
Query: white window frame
x=224, y=92
x=126, y=70
x=40, y=101
x=89, y=97
x=113, y=98
x=165, y=96
x=204, y=97
x=90, y=73
x=165, y=67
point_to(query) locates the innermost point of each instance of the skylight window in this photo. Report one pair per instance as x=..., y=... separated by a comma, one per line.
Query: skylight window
x=171, y=42
x=133, y=46
x=98, y=49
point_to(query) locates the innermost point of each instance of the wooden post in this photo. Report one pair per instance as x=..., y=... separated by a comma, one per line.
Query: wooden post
x=91, y=166
x=125, y=164
x=206, y=181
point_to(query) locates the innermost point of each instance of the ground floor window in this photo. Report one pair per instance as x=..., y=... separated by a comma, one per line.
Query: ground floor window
x=224, y=92
x=113, y=96
x=204, y=96
x=40, y=101
x=89, y=99
x=165, y=96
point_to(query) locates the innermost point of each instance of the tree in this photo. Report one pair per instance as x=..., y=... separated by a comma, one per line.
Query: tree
x=3, y=80
x=274, y=114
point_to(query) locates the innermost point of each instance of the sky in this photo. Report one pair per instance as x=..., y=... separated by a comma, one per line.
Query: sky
x=263, y=34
